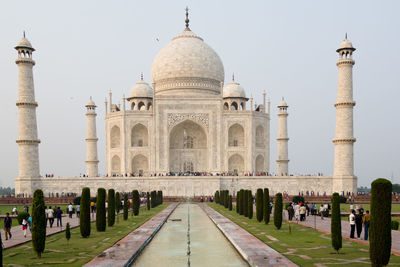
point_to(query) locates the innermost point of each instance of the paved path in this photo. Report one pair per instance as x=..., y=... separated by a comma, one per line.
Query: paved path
x=129, y=247
x=18, y=235
x=325, y=226
x=253, y=250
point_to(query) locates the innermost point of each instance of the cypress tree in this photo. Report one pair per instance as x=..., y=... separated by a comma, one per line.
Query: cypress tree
x=153, y=199
x=266, y=206
x=250, y=203
x=278, y=211
x=1, y=252
x=148, y=200
x=111, y=207
x=125, y=208
x=159, y=198
x=336, y=223
x=84, y=218
x=380, y=225
x=226, y=199
x=259, y=205
x=67, y=232
x=216, y=197
x=246, y=203
x=38, y=223
x=230, y=202
x=136, y=202
x=117, y=203
x=237, y=202
x=242, y=198
x=221, y=197
x=101, y=210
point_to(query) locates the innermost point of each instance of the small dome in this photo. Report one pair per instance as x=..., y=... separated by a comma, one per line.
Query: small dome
x=141, y=89
x=233, y=89
x=282, y=104
x=345, y=44
x=90, y=103
x=24, y=43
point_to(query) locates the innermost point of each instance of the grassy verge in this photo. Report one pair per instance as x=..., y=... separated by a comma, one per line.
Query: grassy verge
x=303, y=246
x=346, y=207
x=79, y=250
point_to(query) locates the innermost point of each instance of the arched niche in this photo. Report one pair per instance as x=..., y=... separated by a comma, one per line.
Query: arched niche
x=139, y=135
x=115, y=137
x=260, y=136
x=140, y=165
x=236, y=164
x=188, y=147
x=236, y=135
x=260, y=164
x=115, y=165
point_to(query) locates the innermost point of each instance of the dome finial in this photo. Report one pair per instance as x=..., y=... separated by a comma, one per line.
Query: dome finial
x=345, y=37
x=24, y=34
x=233, y=77
x=141, y=76
x=187, y=18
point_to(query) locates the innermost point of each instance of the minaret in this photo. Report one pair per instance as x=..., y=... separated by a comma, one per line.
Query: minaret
x=344, y=139
x=283, y=158
x=91, y=140
x=28, y=142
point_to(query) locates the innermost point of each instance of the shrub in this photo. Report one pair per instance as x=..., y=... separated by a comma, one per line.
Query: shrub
x=77, y=201
x=266, y=206
x=67, y=232
x=136, y=202
x=111, y=207
x=298, y=199
x=342, y=199
x=153, y=199
x=125, y=207
x=101, y=210
x=22, y=215
x=259, y=204
x=84, y=218
x=226, y=199
x=395, y=225
x=278, y=211
x=216, y=197
x=250, y=204
x=117, y=202
x=380, y=226
x=336, y=223
x=221, y=197
x=237, y=202
x=38, y=222
x=230, y=202
x=148, y=200
x=246, y=203
x=159, y=197
x=242, y=199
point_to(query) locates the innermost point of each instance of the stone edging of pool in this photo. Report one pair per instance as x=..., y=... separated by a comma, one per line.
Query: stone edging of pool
x=253, y=250
x=125, y=251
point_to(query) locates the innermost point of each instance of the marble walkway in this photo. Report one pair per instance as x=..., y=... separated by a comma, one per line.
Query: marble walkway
x=18, y=235
x=250, y=247
x=325, y=227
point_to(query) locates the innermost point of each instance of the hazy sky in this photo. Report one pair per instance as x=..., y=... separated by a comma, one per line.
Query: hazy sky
x=86, y=48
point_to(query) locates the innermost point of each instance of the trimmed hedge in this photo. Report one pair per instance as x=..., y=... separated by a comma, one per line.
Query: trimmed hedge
x=336, y=223
x=101, y=210
x=136, y=202
x=153, y=199
x=298, y=199
x=111, y=207
x=159, y=198
x=216, y=197
x=278, y=211
x=242, y=201
x=250, y=204
x=230, y=202
x=395, y=225
x=246, y=203
x=148, y=200
x=266, y=206
x=380, y=226
x=84, y=218
x=259, y=205
x=125, y=208
x=38, y=223
x=117, y=202
x=67, y=232
x=237, y=201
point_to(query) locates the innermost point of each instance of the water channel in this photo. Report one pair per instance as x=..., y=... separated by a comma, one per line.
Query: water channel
x=189, y=238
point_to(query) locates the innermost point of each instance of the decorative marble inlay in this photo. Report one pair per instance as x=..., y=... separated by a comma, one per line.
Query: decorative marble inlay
x=175, y=118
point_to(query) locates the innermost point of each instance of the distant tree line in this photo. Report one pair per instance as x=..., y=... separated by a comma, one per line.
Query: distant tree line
x=4, y=191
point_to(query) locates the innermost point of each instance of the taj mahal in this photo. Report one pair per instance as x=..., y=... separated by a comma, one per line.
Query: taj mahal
x=188, y=132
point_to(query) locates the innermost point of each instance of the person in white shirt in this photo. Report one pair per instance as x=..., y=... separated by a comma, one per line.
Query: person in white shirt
x=70, y=209
x=50, y=215
x=352, y=221
x=321, y=211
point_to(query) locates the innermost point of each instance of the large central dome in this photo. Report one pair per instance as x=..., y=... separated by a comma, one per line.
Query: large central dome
x=187, y=65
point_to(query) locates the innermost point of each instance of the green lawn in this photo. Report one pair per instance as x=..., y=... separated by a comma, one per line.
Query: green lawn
x=79, y=250
x=8, y=208
x=346, y=207
x=303, y=246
